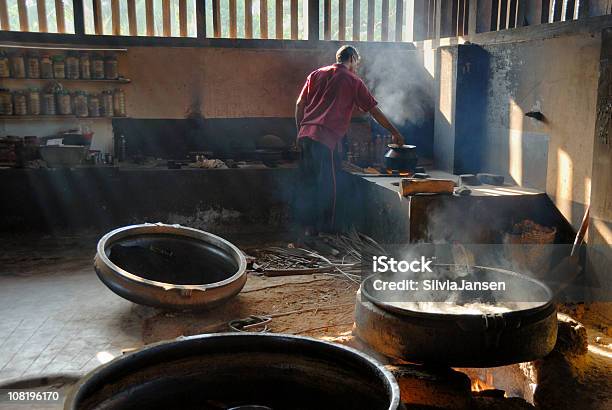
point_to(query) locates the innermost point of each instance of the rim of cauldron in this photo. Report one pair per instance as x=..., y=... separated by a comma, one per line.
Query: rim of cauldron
x=96, y=378
x=544, y=306
x=401, y=147
x=115, y=234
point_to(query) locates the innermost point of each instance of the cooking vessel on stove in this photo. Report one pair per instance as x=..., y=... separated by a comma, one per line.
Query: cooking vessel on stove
x=401, y=158
x=239, y=371
x=413, y=332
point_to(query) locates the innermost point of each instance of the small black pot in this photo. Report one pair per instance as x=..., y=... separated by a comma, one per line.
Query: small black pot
x=401, y=158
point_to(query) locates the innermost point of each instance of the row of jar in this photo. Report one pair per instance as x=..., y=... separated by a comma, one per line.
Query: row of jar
x=72, y=66
x=110, y=103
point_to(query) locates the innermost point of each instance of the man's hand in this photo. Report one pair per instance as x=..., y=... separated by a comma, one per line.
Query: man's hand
x=397, y=139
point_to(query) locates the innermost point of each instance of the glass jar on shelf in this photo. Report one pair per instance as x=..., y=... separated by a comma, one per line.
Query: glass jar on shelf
x=64, y=103
x=107, y=104
x=97, y=67
x=119, y=103
x=80, y=104
x=5, y=67
x=110, y=67
x=34, y=101
x=46, y=66
x=20, y=103
x=59, y=67
x=6, y=102
x=85, y=64
x=72, y=66
x=33, y=65
x=48, y=103
x=94, y=105
x=18, y=66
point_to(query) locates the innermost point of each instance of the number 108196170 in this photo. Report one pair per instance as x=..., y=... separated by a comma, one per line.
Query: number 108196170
x=33, y=396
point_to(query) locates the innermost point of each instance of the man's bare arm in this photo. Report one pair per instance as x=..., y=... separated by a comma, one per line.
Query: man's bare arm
x=382, y=119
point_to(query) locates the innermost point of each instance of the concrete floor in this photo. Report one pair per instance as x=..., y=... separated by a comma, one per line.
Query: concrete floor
x=57, y=317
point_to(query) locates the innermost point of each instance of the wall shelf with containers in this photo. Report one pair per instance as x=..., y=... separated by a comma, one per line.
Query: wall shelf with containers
x=66, y=80
x=50, y=68
x=43, y=117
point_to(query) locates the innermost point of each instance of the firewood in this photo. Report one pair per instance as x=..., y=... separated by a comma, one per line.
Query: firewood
x=441, y=388
x=411, y=186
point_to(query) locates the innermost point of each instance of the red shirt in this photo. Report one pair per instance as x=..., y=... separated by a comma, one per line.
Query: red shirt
x=330, y=94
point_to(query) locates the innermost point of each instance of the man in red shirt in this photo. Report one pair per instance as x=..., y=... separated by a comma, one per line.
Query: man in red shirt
x=323, y=113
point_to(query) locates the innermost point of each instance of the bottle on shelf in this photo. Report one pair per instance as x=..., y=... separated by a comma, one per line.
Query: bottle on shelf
x=48, y=103
x=85, y=64
x=33, y=101
x=81, y=108
x=110, y=67
x=59, y=67
x=5, y=67
x=20, y=103
x=94, y=105
x=6, y=102
x=33, y=65
x=72, y=66
x=46, y=66
x=97, y=67
x=64, y=103
x=119, y=148
x=107, y=104
x=119, y=103
x=18, y=66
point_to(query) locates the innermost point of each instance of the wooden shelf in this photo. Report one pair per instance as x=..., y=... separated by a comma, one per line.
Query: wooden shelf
x=52, y=117
x=67, y=80
x=113, y=50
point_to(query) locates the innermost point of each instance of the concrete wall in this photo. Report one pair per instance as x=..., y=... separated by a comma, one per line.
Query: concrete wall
x=218, y=82
x=226, y=83
x=556, y=76
x=600, y=224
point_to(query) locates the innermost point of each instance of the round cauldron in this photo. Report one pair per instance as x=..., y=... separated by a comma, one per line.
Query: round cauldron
x=520, y=334
x=239, y=371
x=401, y=158
x=170, y=266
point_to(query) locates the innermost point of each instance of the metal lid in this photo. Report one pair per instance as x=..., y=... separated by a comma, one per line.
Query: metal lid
x=395, y=146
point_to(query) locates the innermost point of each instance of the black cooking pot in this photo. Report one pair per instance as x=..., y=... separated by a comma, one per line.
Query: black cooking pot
x=239, y=371
x=401, y=158
x=421, y=332
x=170, y=266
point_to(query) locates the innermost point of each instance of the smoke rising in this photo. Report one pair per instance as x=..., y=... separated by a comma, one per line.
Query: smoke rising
x=400, y=85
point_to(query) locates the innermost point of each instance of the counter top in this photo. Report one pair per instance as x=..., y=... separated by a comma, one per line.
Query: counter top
x=392, y=183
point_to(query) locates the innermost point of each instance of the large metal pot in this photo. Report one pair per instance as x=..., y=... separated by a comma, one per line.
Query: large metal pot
x=402, y=158
x=170, y=266
x=464, y=340
x=239, y=371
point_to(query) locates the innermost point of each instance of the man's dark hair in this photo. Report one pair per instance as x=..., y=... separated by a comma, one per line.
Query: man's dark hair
x=345, y=53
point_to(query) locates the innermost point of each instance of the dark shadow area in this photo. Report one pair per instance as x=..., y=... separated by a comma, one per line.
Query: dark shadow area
x=175, y=138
